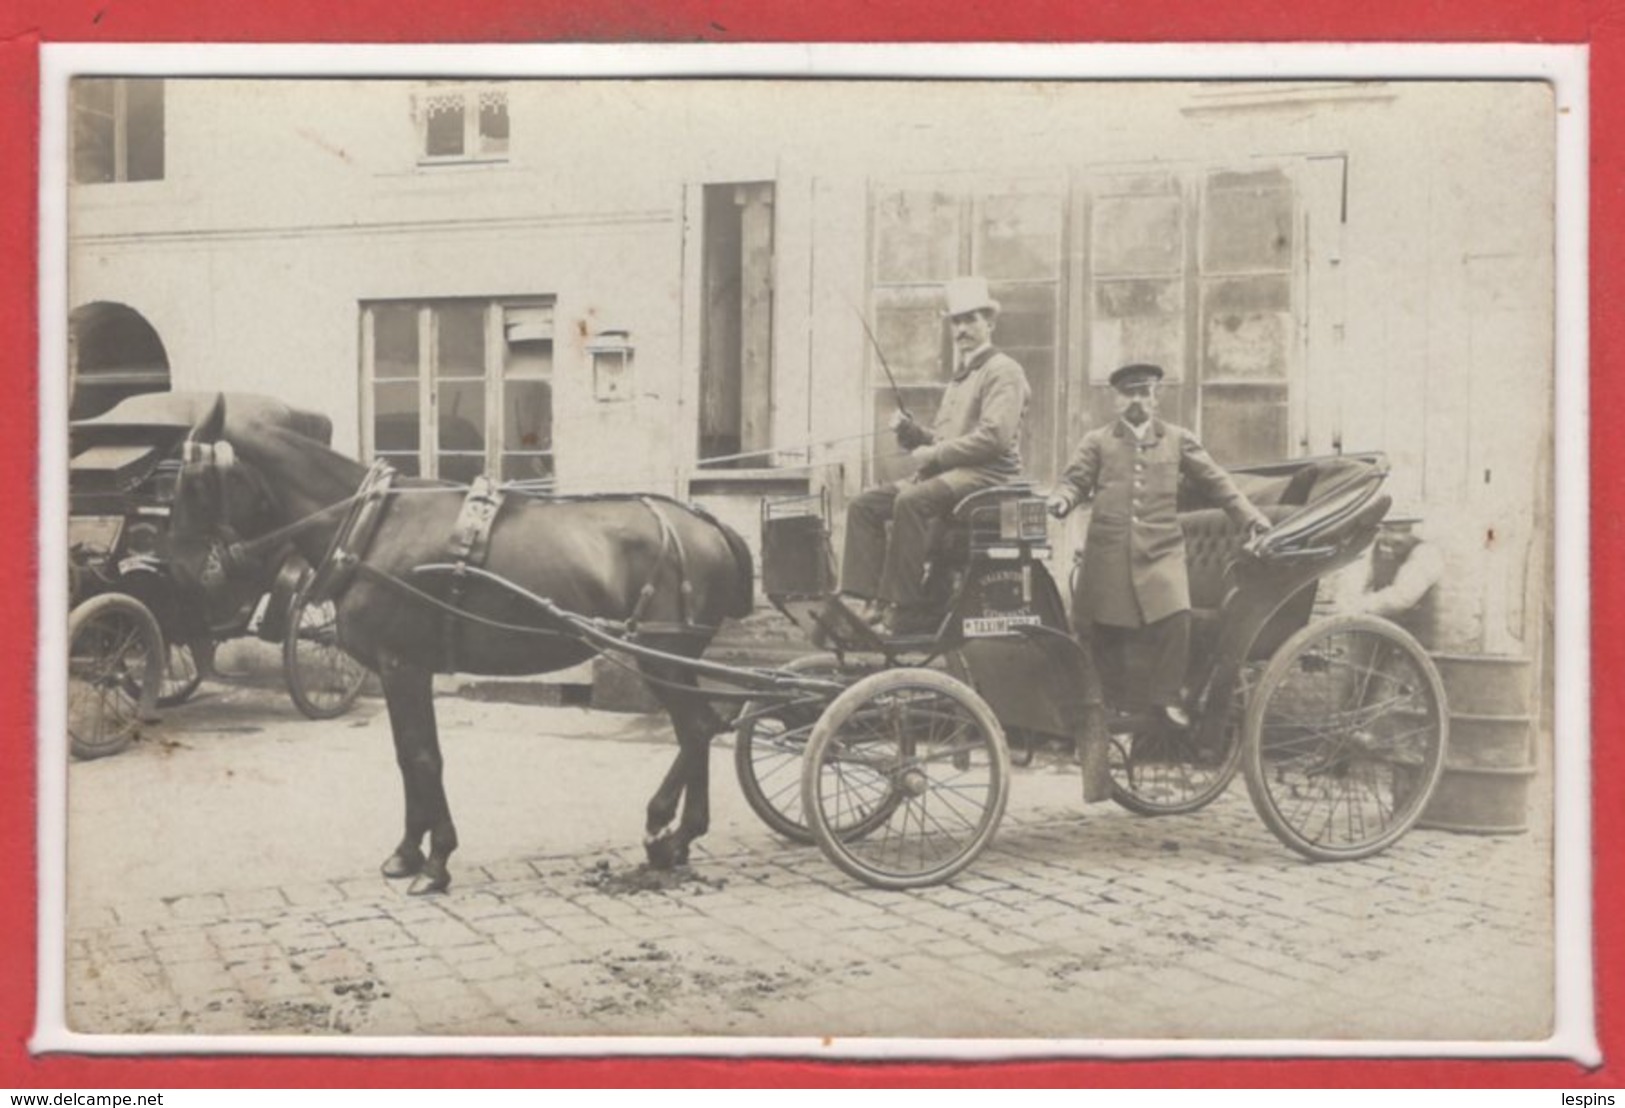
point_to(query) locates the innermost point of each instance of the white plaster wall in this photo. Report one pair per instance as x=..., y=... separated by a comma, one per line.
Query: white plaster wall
x=288, y=204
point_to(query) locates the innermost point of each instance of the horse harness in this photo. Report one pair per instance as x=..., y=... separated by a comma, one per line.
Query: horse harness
x=355, y=534
x=468, y=548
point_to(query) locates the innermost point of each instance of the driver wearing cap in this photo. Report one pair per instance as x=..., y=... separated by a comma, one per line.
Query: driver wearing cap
x=1134, y=590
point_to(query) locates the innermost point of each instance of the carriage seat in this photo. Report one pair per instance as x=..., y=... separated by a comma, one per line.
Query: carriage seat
x=1212, y=542
x=947, y=542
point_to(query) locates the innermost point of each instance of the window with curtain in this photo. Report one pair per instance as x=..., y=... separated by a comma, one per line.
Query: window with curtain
x=462, y=122
x=456, y=388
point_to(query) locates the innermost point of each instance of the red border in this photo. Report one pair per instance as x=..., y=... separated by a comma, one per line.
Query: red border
x=27, y=23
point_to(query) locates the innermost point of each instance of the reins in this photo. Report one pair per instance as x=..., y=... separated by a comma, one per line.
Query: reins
x=271, y=540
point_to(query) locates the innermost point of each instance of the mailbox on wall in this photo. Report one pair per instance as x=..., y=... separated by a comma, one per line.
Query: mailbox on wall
x=611, y=353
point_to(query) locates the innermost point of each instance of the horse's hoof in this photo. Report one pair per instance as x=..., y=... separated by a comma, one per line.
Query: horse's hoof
x=427, y=885
x=403, y=864
x=663, y=852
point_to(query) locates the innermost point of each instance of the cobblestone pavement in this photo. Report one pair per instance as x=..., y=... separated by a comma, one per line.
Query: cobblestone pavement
x=1079, y=922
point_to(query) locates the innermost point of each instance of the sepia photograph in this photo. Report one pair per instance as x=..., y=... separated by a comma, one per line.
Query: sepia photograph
x=805, y=565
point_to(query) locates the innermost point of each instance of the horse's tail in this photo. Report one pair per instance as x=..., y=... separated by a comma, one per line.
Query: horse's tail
x=743, y=600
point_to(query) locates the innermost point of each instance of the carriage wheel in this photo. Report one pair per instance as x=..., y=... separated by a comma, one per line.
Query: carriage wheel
x=769, y=748
x=1175, y=773
x=323, y=680
x=182, y=674
x=115, y=663
x=919, y=761
x=1346, y=738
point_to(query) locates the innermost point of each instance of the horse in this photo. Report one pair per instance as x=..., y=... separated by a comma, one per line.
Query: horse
x=656, y=572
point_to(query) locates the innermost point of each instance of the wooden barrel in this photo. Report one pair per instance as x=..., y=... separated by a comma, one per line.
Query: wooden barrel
x=1491, y=760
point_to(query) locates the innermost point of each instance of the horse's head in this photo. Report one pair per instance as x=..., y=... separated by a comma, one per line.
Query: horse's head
x=220, y=503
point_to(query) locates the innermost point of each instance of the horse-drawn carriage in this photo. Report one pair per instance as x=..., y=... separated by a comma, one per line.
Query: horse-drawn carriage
x=891, y=754
x=1339, y=723
x=137, y=639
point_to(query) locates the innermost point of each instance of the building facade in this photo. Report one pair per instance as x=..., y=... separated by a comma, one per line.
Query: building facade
x=690, y=287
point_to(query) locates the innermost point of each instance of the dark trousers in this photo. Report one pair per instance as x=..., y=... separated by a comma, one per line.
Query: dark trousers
x=894, y=571
x=1144, y=667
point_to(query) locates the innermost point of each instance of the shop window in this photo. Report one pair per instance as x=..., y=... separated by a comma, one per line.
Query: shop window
x=118, y=129
x=457, y=388
x=922, y=237
x=462, y=123
x=736, y=368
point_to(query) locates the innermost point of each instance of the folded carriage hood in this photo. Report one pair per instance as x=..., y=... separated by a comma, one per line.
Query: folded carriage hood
x=164, y=418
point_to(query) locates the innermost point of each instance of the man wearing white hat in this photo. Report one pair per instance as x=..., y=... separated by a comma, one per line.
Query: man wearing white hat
x=974, y=443
x=1135, y=588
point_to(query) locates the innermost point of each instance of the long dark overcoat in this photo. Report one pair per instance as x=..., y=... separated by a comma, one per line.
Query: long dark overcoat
x=1134, y=557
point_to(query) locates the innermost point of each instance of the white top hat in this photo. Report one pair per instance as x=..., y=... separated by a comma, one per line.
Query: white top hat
x=964, y=295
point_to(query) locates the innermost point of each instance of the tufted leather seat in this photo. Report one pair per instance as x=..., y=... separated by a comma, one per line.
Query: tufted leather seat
x=1212, y=542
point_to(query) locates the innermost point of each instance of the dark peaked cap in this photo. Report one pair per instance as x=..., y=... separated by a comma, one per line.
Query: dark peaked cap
x=1134, y=373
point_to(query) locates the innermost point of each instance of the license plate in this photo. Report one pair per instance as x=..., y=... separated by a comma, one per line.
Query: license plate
x=984, y=626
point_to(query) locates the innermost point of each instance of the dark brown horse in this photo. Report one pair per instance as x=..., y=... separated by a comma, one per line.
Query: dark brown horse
x=671, y=570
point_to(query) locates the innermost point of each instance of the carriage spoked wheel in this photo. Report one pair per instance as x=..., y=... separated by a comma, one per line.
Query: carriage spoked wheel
x=1174, y=773
x=919, y=762
x=769, y=750
x=183, y=673
x=1346, y=737
x=115, y=664
x=323, y=681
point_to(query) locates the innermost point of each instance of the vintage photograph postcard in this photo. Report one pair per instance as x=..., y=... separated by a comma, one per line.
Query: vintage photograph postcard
x=552, y=561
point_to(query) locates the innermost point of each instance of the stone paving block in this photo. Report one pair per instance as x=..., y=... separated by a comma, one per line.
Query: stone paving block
x=195, y=950
x=368, y=889
x=312, y=894
x=347, y=912
x=205, y=906
x=518, y=943
x=272, y=985
x=250, y=953
x=489, y=1025
x=150, y=912
x=339, y=964
x=254, y=901
x=465, y=954
x=474, y=906
x=372, y=934
x=1004, y=943
x=191, y=979
x=409, y=963
x=439, y=997
x=308, y=942
x=485, y=969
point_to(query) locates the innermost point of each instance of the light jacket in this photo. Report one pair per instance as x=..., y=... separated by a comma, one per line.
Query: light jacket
x=979, y=422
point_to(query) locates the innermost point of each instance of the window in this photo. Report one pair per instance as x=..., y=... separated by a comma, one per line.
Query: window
x=462, y=123
x=736, y=368
x=1247, y=326
x=118, y=129
x=457, y=388
x=922, y=237
x=1197, y=277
